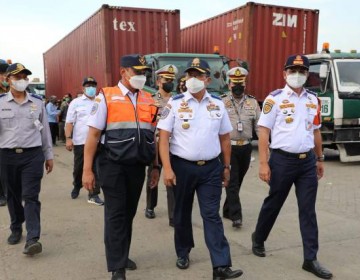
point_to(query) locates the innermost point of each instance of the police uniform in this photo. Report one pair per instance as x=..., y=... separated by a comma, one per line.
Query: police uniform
x=195, y=147
x=25, y=143
x=4, y=87
x=292, y=118
x=77, y=115
x=128, y=125
x=168, y=71
x=244, y=113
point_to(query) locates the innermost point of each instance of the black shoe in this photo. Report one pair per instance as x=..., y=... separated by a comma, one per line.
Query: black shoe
x=2, y=200
x=14, y=237
x=221, y=273
x=316, y=268
x=237, y=223
x=118, y=275
x=171, y=222
x=131, y=265
x=183, y=262
x=75, y=193
x=257, y=248
x=32, y=247
x=150, y=213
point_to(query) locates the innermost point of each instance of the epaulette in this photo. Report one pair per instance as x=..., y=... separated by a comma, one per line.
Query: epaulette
x=251, y=96
x=36, y=96
x=2, y=95
x=275, y=92
x=311, y=92
x=224, y=95
x=215, y=96
x=178, y=96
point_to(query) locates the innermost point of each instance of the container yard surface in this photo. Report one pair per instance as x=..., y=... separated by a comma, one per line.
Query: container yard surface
x=73, y=248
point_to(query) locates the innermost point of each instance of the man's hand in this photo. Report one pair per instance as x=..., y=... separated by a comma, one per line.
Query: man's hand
x=226, y=177
x=69, y=144
x=49, y=164
x=88, y=180
x=154, y=178
x=319, y=169
x=264, y=172
x=169, y=178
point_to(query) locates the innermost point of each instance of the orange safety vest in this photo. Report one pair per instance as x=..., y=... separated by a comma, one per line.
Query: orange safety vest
x=129, y=133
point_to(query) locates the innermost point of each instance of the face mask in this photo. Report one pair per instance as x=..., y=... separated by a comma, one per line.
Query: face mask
x=296, y=80
x=138, y=81
x=238, y=90
x=168, y=87
x=5, y=84
x=194, y=85
x=90, y=91
x=20, y=85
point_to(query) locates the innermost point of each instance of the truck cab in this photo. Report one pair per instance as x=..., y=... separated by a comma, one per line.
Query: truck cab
x=335, y=76
x=218, y=65
x=37, y=87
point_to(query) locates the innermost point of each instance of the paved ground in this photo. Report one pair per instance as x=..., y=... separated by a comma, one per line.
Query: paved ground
x=72, y=233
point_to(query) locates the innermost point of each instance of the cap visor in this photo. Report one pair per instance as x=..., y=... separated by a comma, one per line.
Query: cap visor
x=196, y=68
x=141, y=67
x=25, y=71
x=294, y=66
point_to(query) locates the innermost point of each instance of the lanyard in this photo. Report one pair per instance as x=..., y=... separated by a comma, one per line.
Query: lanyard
x=240, y=107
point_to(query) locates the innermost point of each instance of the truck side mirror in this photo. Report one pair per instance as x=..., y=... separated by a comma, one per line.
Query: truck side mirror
x=324, y=72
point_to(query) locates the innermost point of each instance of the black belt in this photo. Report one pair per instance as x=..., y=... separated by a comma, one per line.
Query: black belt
x=293, y=155
x=197, y=162
x=20, y=150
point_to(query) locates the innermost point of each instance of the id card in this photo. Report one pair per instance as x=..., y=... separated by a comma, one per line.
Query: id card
x=239, y=126
x=38, y=125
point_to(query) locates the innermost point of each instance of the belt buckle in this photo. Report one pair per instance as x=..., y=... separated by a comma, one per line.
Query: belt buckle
x=200, y=162
x=239, y=142
x=302, y=156
x=19, y=150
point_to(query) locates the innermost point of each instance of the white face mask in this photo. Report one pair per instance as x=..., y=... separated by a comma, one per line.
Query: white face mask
x=19, y=85
x=138, y=81
x=296, y=80
x=194, y=85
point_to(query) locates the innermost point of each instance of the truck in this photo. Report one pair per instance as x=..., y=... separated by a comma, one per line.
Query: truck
x=335, y=76
x=37, y=87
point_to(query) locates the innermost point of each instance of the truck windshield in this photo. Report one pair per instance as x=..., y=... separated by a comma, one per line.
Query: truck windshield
x=349, y=75
x=218, y=71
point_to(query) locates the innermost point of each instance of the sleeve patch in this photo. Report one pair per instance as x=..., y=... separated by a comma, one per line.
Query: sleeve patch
x=94, y=109
x=165, y=112
x=268, y=106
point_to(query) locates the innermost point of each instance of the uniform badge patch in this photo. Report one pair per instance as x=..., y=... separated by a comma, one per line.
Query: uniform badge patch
x=268, y=106
x=165, y=112
x=94, y=109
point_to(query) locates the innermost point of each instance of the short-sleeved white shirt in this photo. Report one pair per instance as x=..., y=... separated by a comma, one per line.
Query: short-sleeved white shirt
x=78, y=114
x=206, y=120
x=291, y=119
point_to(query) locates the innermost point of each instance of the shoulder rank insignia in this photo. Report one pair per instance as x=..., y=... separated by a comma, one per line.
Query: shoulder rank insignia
x=251, y=96
x=223, y=95
x=311, y=92
x=215, y=96
x=275, y=92
x=36, y=96
x=2, y=95
x=177, y=96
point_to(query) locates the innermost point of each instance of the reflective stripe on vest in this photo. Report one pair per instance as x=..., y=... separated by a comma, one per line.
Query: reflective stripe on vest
x=121, y=111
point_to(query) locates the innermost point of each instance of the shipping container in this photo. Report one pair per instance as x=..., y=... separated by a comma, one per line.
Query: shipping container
x=261, y=35
x=95, y=47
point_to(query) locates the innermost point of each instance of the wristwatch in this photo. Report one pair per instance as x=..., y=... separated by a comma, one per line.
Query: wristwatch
x=321, y=158
x=69, y=137
x=227, y=166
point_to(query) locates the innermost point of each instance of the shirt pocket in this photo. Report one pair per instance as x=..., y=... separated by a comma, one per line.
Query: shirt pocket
x=7, y=119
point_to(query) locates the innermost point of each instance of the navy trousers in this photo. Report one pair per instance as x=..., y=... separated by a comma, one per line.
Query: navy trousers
x=21, y=174
x=286, y=171
x=206, y=181
x=121, y=185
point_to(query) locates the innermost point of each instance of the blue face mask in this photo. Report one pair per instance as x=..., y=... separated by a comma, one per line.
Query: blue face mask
x=90, y=91
x=5, y=84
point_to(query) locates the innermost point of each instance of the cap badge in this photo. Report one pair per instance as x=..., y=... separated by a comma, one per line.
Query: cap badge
x=237, y=72
x=196, y=62
x=298, y=60
x=20, y=66
x=171, y=69
x=142, y=60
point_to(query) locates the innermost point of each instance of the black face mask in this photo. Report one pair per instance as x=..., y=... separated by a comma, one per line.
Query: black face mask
x=238, y=90
x=168, y=87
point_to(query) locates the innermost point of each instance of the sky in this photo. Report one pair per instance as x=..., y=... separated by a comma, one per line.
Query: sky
x=30, y=28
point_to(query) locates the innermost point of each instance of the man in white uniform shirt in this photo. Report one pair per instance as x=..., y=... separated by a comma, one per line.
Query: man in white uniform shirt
x=76, y=132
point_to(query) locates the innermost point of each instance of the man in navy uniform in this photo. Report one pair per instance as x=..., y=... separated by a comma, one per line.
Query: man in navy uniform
x=200, y=129
x=25, y=144
x=292, y=117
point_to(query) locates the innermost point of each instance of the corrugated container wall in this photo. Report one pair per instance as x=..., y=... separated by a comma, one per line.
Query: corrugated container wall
x=262, y=35
x=95, y=47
